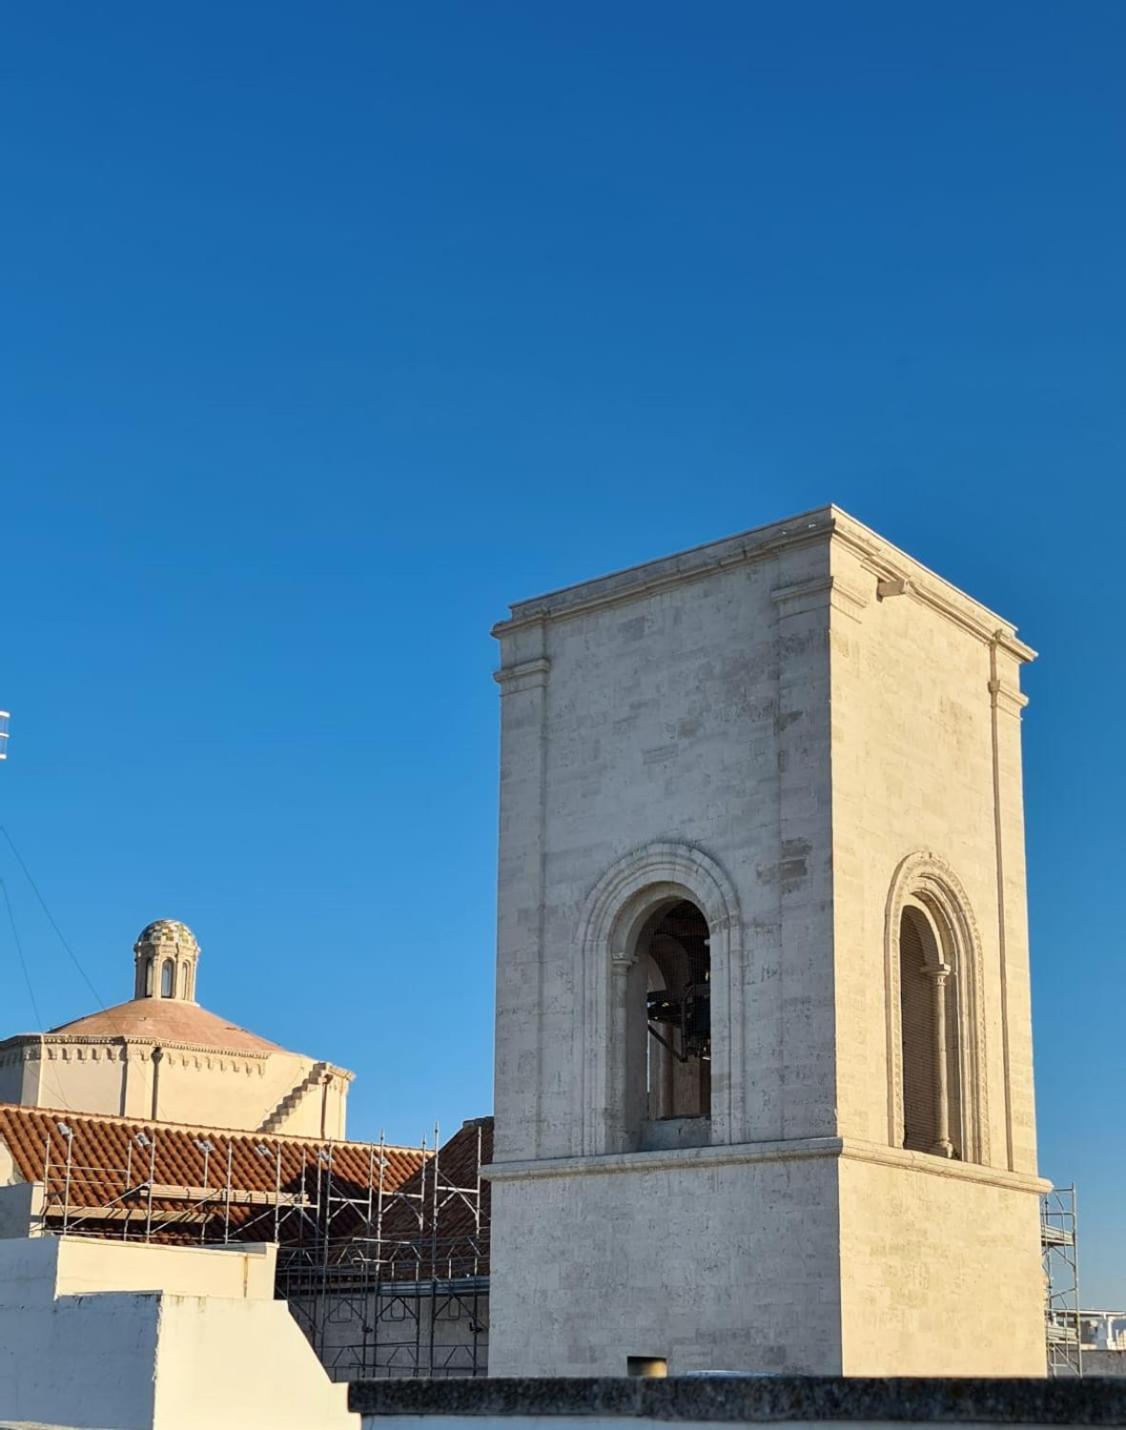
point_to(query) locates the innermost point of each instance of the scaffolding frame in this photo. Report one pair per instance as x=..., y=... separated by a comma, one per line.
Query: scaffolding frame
x=1059, y=1245
x=384, y=1279
x=136, y=1207
x=379, y=1299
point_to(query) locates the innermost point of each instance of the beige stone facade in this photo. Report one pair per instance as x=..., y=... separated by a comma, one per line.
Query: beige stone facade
x=764, y=1072
x=163, y=1057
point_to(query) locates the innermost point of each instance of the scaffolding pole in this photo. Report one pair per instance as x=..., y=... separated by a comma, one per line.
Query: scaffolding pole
x=387, y=1274
x=1059, y=1244
x=393, y=1293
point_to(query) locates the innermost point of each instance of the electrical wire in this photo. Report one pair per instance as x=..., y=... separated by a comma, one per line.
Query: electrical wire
x=27, y=979
x=20, y=955
x=51, y=918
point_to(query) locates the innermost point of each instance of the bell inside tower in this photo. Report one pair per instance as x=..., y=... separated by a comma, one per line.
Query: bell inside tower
x=677, y=957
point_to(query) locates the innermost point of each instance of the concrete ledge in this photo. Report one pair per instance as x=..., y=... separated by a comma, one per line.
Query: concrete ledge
x=1091, y=1401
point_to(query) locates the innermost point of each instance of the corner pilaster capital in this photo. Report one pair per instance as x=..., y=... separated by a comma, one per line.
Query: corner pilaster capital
x=525, y=675
x=820, y=593
x=1012, y=702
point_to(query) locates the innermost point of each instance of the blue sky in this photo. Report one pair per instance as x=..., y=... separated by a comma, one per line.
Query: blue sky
x=327, y=330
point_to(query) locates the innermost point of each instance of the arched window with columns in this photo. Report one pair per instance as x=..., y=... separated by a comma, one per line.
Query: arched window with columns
x=929, y=1039
x=937, y=1093
x=658, y=1012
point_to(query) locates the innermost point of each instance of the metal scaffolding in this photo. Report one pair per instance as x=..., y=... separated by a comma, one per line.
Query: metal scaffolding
x=128, y=1201
x=395, y=1282
x=383, y=1252
x=1060, y=1251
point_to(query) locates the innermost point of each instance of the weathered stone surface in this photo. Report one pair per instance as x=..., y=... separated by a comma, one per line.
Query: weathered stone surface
x=802, y=732
x=756, y=1399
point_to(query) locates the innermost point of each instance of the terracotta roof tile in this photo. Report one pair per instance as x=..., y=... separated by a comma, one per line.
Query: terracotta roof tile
x=432, y=1226
x=168, y=1020
x=111, y=1159
x=447, y=1223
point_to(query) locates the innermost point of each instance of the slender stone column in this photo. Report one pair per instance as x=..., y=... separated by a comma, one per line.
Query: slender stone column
x=938, y=974
x=668, y=1073
x=619, y=1093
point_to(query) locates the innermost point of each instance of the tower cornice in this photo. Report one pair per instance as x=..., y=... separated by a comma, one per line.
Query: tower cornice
x=891, y=570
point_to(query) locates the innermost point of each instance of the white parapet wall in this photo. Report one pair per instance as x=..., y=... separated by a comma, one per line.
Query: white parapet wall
x=98, y=1335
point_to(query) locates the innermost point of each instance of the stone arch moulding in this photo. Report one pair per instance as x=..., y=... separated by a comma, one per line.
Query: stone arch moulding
x=924, y=877
x=611, y=917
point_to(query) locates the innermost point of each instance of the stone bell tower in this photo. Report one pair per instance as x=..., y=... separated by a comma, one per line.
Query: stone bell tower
x=764, y=1066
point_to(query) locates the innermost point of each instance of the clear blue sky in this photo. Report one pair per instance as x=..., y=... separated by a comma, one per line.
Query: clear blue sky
x=328, y=329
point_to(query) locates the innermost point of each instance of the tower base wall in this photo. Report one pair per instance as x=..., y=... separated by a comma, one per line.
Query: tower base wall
x=819, y=1257
x=719, y=1258
x=940, y=1267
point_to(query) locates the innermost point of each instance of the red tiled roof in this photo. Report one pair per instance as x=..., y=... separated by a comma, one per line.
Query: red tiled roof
x=457, y=1174
x=107, y=1190
x=453, y=1229
x=434, y=1225
x=435, y=1220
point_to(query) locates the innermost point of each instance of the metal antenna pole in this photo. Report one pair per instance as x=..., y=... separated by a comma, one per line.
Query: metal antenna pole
x=371, y=1187
x=128, y=1189
x=365, y=1286
x=205, y=1146
x=418, y=1252
x=69, y=1135
x=230, y=1174
x=477, y=1258
x=377, y=1315
x=277, y=1194
x=434, y=1247
x=1078, y=1300
x=325, y=1251
x=152, y=1179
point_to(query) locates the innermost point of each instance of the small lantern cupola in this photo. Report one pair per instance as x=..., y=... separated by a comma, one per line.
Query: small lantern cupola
x=166, y=955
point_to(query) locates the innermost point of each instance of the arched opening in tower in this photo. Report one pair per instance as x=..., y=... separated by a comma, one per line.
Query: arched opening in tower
x=929, y=1021
x=677, y=955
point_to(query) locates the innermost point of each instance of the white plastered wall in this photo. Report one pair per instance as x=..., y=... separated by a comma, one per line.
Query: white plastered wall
x=142, y=1337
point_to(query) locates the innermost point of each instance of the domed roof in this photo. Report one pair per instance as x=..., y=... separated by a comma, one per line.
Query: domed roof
x=166, y=934
x=163, y=1007
x=167, y=1020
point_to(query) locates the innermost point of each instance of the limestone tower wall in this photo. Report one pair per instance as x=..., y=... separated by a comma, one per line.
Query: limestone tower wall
x=763, y=1056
